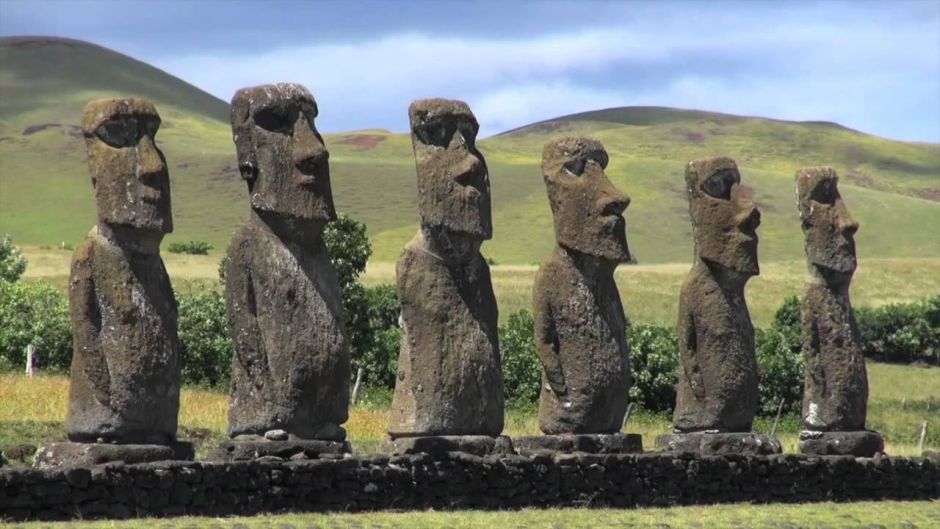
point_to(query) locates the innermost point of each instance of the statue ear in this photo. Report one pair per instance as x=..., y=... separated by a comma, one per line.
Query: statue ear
x=241, y=135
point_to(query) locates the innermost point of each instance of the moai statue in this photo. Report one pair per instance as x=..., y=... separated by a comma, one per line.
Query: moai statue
x=836, y=393
x=125, y=374
x=717, y=392
x=580, y=326
x=291, y=368
x=449, y=392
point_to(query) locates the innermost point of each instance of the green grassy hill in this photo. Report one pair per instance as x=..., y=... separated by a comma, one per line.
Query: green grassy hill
x=893, y=188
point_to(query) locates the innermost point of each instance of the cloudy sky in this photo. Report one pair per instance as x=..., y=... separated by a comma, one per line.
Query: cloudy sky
x=872, y=66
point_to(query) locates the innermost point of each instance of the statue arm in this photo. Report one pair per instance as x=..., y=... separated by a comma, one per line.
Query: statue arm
x=547, y=347
x=688, y=352
x=85, y=315
x=242, y=309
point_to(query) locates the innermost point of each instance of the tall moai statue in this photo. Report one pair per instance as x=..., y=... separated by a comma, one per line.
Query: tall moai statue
x=125, y=374
x=291, y=368
x=449, y=391
x=717, y=391
x=580, y=326
x=836, y=385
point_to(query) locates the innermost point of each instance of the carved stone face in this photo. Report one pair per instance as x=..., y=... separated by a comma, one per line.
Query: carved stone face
x=827, y=224
x=586, y=207
x=280, y=153
x=132, y=186
x=453, y=182
x=724, y=220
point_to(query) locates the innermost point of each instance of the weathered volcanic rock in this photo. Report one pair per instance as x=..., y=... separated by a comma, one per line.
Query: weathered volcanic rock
x=440, y=444
x=616, y=443
x=449, y=380
x=708, y=443
x=70, y=455
x=718, y=379
x=836, y=385
x=283, y=299
x=125, y=374
x=580, y=326
x=240, y=450
x=858, y=443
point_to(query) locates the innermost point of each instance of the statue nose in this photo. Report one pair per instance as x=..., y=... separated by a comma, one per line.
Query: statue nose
x=749, y=219
x=150, y=162
x=848, y=225
x=308, y=151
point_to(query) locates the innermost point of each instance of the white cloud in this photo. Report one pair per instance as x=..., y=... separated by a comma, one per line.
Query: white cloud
x=860, y=70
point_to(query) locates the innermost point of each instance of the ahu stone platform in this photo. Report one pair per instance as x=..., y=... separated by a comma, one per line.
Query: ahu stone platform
x=456, y=481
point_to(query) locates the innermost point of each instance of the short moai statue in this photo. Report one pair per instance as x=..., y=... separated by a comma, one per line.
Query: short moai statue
x=717, y=391
x=580, y=325
x=835, y=397
x=125, y=374
x=291, y=368
x=449, y=391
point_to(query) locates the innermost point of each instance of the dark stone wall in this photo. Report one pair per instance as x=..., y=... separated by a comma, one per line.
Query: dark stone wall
x=456, y=481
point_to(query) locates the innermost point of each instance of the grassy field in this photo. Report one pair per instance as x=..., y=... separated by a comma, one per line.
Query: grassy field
x=46, y=198
x=32, y=412
x=650, y=292
x=862, y=515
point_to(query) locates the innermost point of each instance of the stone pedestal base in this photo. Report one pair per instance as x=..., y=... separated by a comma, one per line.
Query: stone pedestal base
x=237, y=450
x=598, y=443
x=89, y=454
x=480, y=445
x=747, y=443
x=861, y=443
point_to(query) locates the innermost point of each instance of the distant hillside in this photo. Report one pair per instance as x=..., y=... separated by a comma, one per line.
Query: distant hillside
x=46, y=197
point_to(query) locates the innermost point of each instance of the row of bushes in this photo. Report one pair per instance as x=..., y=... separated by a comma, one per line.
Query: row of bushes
x=37, y=313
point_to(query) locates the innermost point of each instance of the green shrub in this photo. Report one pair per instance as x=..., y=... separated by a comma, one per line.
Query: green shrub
x=522, y=370
x=37, y=314
x=372, y=321
x=12, y=262
x=781, y=372
x=654, y=359
x=904, y=332
x=206, y=344
x=190, y=247
x=349, y=248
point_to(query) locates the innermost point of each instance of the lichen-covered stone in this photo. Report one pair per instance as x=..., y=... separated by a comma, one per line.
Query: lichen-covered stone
x=580, y=326
x=449, y=379
x=283, y=299
x=125, y=374
x=617, y=443
x=718, y=443
x=718, y=380
x=836, y=385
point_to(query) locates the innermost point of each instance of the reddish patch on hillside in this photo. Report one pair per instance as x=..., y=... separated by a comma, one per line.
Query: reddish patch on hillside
x=860, y=179
x=929, y=193
x=71, y=130
x=689, y=135
x=363, y=142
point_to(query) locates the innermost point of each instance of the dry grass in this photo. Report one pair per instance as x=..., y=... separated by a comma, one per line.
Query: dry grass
x=32, y=412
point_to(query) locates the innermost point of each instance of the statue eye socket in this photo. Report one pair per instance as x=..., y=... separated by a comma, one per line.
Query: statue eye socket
x=118, y=133
x=275, y=119
x=576, y=166
x=824, y=192
x=719, y=184
x=437, y=134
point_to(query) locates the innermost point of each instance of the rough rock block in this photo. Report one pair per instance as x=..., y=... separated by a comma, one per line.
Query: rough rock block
x=706, y=443
x=88, y=454
x=245, y=450
x=862, y=443
x=591, y=443
x=472, y=444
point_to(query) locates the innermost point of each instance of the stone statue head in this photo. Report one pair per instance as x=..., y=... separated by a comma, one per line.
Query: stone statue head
x=827, y=224
x=280, y=153
x=586, y=207
x=724, y=220
x=128, y=171
x=453, y=182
